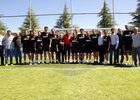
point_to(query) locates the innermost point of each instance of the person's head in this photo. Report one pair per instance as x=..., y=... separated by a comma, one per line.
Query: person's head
x=61, y=36
x=88, y=34
x=93, y=31
x=34, y=32
x=67, y=32
x=45, y=28
x=100, y=33
x=25, y=32
x=112, y=30
x=135, y=30
x=39, y=33
x=76, y=30
x=82, y=31
x=105, y=32
x=17, y=34
x=127, y=27
x=52, y=31
x=119, y=30
x=31, y=32
x=74, y=35
x=9, y=32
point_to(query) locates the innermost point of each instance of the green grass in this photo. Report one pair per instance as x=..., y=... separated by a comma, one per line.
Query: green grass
x=40, y=82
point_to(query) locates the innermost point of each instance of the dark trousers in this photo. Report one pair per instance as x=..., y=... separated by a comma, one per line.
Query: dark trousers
x=1, y=55
x=122, y=55
x=112, y=50
x=101, y=53
x=61, y=56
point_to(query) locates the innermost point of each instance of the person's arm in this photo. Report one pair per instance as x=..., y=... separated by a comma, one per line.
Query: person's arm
x=35, y=44
x=109, y=43
x=4, y=41
x=14, y=42
x=117, y=42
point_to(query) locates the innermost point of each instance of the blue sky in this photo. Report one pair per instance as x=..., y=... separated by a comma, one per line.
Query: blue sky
x=20, y=7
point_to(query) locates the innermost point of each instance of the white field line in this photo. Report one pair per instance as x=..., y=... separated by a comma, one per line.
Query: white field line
x=72, y=69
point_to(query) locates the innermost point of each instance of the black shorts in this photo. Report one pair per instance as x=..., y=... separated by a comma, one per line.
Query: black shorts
x=81, y=49
x=106, y=49
x=95, y=48
x=39, y=51
x=74, y=50
x=128, y=47
x=67, y=48
x=32, y=50
x=45, y=47
x=26, y=49
x=53, y=48
x=87, y=50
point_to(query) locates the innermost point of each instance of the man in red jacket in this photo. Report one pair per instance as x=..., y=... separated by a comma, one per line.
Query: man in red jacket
x=67, y=38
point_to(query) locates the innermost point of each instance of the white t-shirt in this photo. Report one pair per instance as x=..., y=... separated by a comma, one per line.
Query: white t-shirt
x=8, y=41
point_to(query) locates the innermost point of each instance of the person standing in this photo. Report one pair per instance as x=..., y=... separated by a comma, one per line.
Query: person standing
x=32, y=48
x=54, y=40
x=101, y=47
x=106, y=40
x=81, y=45
x=8, y=45
x=1, y=49
x=88, y=47
x=61, y=49
x=94, y=46
x=67, y=38
x=38, y=44
x=114, y=45
x=46, y=43
x=26, y=45
x=120, y=47
x=17, y=47
x=136, y=45
x=74, y=48
x=127, y=43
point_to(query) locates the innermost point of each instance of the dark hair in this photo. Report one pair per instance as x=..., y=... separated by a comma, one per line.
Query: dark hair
x=45, y=27
x=8, y=31
x=112, y=29
x=31, y=30
x=81, y=29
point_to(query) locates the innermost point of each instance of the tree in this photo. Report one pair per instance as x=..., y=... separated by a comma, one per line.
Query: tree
x=3, y=28
x=26, y=23
x=106, y=19
x=64, y=20
x=136, y=17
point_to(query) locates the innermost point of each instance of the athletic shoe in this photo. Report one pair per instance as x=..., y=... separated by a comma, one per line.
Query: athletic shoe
x=30, y=63
x=127, y=63
x=45, y=62
x=24, y=63
x=82, y=62
x=56, y=61
x=87, y=61
x=68, y=61
x=106, y=63
x=6, y=64
x=41, y=63
x=79, y=62
x=133, y=64
x=49, y=62
x=65, y=62
x=11, y=64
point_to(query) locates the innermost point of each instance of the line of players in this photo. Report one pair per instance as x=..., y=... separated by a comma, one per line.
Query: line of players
x=100, y=44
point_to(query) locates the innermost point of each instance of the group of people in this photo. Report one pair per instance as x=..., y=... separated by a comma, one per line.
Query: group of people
x=59, y=47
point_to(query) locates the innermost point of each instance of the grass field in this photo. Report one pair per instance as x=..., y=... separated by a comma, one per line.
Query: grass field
x=69, y=82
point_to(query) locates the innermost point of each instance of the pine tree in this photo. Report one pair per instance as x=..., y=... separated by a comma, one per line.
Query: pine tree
x=3, y=28
x=64, y=20
x=26, y=23
x=106, y=19
x=136, y=17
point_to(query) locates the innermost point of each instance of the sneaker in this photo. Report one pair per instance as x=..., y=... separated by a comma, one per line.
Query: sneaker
x=11, y=64
x=127, y=63
x=79, y=62
x=68, y=61
x=24, y=63
x=6, y=64
x=73, y=62
x=56, y=61
x=65, y=62
x=49, y=62
x=44, y=62
x=52, y=62
x=30, y=63
x=133, y=64
x=106, y=63
x=87, y=61
x=35, y=63
x=82, y=62
x=41, y=63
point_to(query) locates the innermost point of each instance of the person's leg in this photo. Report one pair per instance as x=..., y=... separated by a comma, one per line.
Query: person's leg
x=83, y=57
x=32, y=57
x=2, y=57
x=59, y=56
x=6, y=56
x=20, y=55
x=117, y=55
x=41, y=58
x=52, y=57
x=111, y=54
x=24, y=58
x=37, y=58
x=16, y=55
x=73, y=57
x=134, y=52
x=49, y=54
x=29, y=56
x=69, y=53
x=11, y=56
x=79, y=57
x=127, y=57
x=138, y=51
x=62, y=56
x=122, y=55
x=45, y=55
x=89, y=57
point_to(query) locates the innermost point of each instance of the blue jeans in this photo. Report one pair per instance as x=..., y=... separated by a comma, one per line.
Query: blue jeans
x=18, y=54
x=7, y=52
x=135, y=52
x=112, y=49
